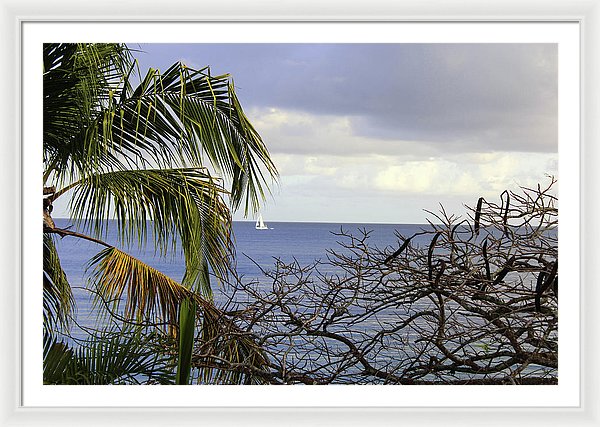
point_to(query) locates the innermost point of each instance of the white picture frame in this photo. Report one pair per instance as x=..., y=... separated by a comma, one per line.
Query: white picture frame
x=587, y=14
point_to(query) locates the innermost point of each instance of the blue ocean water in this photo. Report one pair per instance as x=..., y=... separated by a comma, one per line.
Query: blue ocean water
x=304, y=243
x=255, y=249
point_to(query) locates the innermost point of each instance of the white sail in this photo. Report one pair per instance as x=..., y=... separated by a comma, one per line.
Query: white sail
x=260, y=225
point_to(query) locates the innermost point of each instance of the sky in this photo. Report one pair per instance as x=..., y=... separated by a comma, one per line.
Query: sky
x=380, y=133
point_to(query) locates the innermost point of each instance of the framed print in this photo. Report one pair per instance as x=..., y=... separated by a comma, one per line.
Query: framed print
x=357, y=213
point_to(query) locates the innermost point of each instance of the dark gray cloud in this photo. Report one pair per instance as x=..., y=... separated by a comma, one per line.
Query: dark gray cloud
x=459, y=97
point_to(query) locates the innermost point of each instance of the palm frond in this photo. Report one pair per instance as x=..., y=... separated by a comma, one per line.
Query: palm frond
x=124, y=356
x=136, y=289
x=96, y=120
x=187, y=322
x=104, y=135
x=180, y=118
x=181, y=206
x=145, y=295
x=59, y=303
x=78, y=79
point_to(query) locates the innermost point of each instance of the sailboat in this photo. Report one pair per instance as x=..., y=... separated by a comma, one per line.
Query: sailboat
x=260, y=224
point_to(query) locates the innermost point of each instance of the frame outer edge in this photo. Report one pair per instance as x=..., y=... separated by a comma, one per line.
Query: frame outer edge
x=590, y=212
x=587, y=11
x=10, y=215
x=304, y=10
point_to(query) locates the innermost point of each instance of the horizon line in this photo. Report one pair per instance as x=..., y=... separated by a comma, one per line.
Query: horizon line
x=300, y=221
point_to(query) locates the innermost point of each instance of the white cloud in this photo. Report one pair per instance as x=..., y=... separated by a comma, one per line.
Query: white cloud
x=323, y=163
x=488, y=175
x=327, y=147
x=409, y=177
x=388, y=188
x=295, y=132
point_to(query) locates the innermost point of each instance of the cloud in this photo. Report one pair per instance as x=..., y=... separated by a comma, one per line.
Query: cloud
x=480, y=174
x=381, y=188
x=499, y=97
x=378, y=132
x=322, y=162
x=294, y=132
x=464, y=176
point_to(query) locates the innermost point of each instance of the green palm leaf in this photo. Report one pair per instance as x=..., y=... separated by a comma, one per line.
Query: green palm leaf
x=139, y=149
x=187, y=322
x=122, y=356
x=77, y=81
x=97, y=121
x=58, y=298
x=180, y=206
x=185, y=115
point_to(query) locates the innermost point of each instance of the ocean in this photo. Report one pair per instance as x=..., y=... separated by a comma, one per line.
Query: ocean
x=304, y=242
